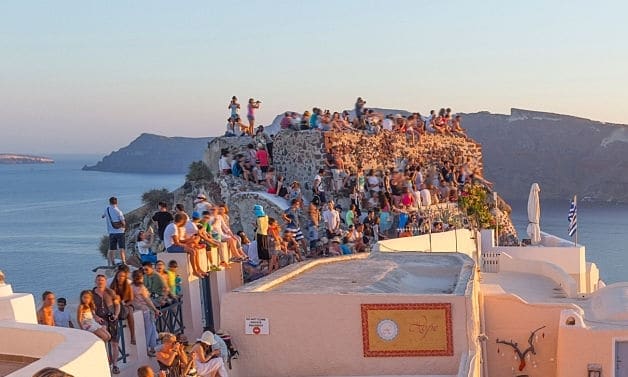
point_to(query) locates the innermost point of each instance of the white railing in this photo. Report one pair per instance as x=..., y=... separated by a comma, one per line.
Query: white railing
x=490, y=261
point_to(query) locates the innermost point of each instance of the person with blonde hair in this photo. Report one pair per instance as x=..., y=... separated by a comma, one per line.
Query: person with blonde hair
x=87, y=318
x=172, y=358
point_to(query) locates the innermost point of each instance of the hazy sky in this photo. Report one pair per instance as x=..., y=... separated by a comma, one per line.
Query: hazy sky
x=90, y=76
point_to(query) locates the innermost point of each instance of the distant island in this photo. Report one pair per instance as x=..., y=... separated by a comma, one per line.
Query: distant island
x=12, y=158
x=154, y=154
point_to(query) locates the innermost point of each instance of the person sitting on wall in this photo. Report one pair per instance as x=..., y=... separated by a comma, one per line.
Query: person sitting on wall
x=155, y=284
x=143, y=245
x=286, y=121
x=456, y=127
x=174, y=243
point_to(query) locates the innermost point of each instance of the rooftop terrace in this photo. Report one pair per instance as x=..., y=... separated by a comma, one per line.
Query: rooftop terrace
x=390, y=273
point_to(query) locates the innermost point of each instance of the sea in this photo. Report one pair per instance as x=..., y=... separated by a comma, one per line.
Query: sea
x=51, y=225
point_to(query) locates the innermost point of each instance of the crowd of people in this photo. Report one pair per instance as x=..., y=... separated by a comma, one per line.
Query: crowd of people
x=395, y=202
x=154, y=284
x=384, y=203
x=363, y=119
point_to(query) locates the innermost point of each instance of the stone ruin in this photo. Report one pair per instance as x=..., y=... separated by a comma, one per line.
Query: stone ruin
x=299, y=155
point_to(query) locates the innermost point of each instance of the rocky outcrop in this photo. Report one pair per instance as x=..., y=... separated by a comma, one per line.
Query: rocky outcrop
x=299, y=155
x=154, y=154
x=566, y=155
x=10, y=158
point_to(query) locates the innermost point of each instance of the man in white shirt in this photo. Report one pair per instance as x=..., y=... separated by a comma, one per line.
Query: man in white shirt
x=175, y=242
x=426, y=196
x=332, y=220
x=115, y=228
x=62, y=318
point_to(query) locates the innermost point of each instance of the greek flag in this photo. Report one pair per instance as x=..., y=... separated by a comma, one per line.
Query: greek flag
x=572, y=217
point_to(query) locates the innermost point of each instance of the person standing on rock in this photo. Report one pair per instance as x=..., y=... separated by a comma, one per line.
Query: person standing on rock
x=261, y=231
x=115, y=227
x=234, y=107
x=250, y=114
x=162, y=218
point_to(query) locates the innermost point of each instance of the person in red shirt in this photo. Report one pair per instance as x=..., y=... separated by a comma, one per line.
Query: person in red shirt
x=262, y=158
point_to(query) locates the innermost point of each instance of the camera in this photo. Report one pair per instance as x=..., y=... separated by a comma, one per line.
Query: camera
x=111, y=317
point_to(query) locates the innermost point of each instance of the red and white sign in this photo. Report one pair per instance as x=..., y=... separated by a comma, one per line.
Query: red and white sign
x=256, y=326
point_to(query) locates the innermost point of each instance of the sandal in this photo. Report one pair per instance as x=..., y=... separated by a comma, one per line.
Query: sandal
x=115, y=370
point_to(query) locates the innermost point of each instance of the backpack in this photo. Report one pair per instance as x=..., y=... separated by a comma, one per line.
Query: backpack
x=233, y=352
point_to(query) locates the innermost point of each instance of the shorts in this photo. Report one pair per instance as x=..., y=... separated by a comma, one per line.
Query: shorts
x=264, y=169
x=116, y=241
x=114, y=329
x=298, y=234
x=250, y=117
x=175, y=249
x=152, y=258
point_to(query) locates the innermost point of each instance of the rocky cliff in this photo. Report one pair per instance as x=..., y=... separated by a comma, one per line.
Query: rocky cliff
x=154, y=154
x=566, y=155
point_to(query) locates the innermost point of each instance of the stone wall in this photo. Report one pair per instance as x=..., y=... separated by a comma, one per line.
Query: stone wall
x=299, y=155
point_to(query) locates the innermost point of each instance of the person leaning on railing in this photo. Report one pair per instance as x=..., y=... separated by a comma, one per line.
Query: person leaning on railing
x=141, y=301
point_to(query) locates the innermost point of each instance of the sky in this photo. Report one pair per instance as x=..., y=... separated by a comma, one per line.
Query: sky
x=90, y=76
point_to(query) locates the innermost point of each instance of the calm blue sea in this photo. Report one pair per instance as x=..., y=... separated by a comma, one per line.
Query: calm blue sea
x=50, y=223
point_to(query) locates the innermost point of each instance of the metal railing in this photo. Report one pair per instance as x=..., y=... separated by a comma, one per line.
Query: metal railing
x=171, y=318
x=121, y=343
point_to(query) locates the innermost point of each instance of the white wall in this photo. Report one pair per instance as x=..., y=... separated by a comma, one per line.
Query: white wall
x=538, y=267
x=77, y=352
x=451, y=241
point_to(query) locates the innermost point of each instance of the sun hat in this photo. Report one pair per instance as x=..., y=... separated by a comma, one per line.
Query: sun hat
x=336, y=240
x=201, y=196
x=207, y=338
x=258, y=210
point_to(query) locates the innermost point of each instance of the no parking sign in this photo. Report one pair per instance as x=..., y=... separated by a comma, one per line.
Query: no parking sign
x=256, y=326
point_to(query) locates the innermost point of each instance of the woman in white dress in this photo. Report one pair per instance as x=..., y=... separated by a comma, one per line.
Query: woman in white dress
x=208, y=360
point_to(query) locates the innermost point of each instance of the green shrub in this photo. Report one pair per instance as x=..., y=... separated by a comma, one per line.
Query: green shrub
x=473, y=201
x=153, y=197
x=103, y=247
x=198, y=171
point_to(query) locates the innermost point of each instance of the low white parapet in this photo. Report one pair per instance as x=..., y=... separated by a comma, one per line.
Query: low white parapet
x=76, y=352
x=459, y=240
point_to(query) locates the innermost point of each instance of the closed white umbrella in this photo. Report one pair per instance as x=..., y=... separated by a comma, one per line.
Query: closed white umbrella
x=534, y=215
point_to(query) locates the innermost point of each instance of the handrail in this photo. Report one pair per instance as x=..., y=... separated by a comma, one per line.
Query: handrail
x=171, y=318
x=121, y=343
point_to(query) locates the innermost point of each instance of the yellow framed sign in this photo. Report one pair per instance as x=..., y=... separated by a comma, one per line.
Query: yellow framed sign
x=407, y=330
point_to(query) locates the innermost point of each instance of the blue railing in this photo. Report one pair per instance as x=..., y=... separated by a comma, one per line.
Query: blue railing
x=171, y=318
x=121, y=343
